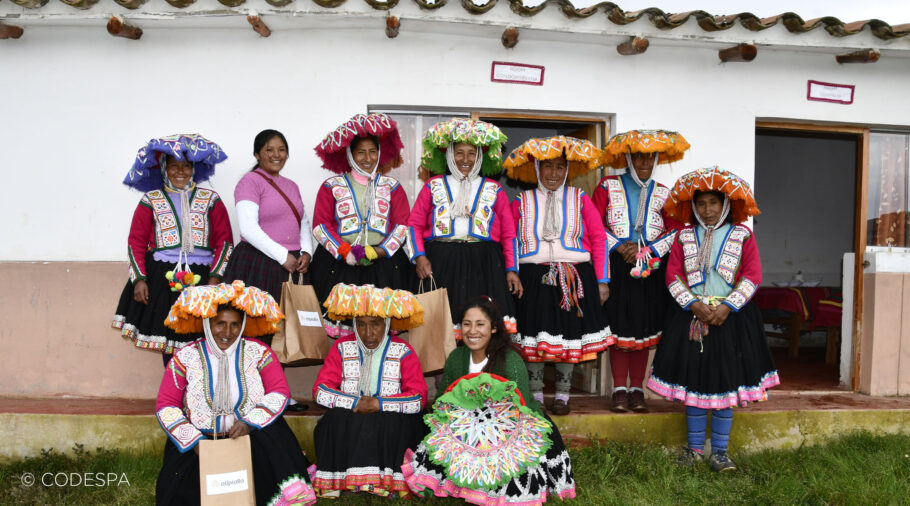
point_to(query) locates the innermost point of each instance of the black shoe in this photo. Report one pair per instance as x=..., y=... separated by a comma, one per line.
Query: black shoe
x=637, y=401
x=297, y=408
x=619, y=401
x=720, y=462
x=690, y=458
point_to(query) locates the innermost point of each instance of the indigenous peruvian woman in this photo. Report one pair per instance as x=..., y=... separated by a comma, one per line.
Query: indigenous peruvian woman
x=562, y=260
x=639, y=234
x=461, y=227
x=714, y=354
x=361, y=215
x=180, y=236
x=489, y=441
x=228, y=385
x=275, y=232
x=374, y=390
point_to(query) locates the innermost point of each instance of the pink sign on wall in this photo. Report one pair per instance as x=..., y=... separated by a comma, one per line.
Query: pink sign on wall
x=519, y=73
x=830, y=92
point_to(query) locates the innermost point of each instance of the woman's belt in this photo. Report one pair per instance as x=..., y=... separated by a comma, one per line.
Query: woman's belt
x=458, y=240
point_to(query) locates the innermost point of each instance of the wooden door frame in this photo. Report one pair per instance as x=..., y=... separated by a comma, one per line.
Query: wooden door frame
x=861, y=215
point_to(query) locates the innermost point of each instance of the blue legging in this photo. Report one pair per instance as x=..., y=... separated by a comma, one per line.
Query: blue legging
x=721, y=423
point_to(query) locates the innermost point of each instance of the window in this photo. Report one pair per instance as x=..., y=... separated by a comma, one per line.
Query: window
x=889, y=189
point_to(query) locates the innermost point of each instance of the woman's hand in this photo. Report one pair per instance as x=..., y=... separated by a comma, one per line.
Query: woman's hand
x=702, y=311
x=424, y=267
x=628, y=252
x=290, y=264
x=303, y=262
x=141, y=291
x=214, y=280
x=239, y=429
x=604, y=290
x=720, y=315
x=514, y=283
x=367, y=404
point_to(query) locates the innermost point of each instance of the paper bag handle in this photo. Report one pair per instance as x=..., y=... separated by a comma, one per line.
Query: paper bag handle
x=299, y=278
x=432, y=285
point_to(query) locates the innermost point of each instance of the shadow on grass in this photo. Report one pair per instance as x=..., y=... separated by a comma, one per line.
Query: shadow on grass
x=858, y=468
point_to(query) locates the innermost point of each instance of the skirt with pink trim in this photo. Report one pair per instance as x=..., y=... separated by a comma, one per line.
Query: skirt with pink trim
x=731, y=366
x=637, y=307
x=547, y=332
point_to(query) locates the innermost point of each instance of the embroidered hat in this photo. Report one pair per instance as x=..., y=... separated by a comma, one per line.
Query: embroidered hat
x=483, y=434
x=145, y=175
x=742, y=201
x=198, y=302
x=333, y=149
x=347, y=301
x=582, y=155
x=486, y=136
x=670, y=145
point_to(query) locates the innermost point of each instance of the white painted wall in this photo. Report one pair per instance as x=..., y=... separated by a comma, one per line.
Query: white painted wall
x=78, y=103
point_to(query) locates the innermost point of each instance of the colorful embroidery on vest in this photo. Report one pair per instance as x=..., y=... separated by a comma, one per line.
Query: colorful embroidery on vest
x=347, y=210
x=689, y=242
x=618, y=218
x=742, y=294
x=731, y=254
x=681, y=293
x=167, y=228
x=442, y=207
x=483, y=209
x=572, y=228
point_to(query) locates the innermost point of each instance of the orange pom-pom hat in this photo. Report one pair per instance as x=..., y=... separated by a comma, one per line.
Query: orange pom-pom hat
x=199, y=302
x=348, y=301
x=671, y=146
x=742, y=201
x=582, y=155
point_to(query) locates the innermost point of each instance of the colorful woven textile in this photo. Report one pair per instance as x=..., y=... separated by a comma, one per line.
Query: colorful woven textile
x=332, y=149
x=347, y=301
x=145, y=175
x=482, y=433
x=198, y=302
x=582, y=155
x=485, y=136
x=670, y=145
x=742, y=202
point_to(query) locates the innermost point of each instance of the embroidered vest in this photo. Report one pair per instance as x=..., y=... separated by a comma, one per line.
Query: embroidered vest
x=481, y=212
x=347, y=210
x=727, y=262
x=620, y=219
x=199, y=389
x=572, y=225
x=167, y=226
x=389, y=379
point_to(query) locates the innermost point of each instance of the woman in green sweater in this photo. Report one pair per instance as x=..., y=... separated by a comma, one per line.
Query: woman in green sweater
x=517, y=454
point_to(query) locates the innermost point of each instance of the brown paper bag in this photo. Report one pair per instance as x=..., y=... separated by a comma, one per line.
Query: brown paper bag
x=435, y=339
x=226, y=472
x=301, y=338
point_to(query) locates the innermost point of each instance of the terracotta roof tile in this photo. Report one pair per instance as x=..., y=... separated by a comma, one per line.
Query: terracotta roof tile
x=660, y=19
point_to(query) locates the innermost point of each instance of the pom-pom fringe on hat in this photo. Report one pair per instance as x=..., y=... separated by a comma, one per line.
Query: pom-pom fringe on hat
x=347, y=301
x=582, y=155
x=145, y=175
x=670, y=145
x=742, y=201
x=198, y=302
x=332, y=149
x=485, y=136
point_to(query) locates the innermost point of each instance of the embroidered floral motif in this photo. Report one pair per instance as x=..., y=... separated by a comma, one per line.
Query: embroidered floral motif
x=679, y=291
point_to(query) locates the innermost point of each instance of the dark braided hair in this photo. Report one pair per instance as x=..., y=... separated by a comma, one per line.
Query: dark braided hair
x=499, y=340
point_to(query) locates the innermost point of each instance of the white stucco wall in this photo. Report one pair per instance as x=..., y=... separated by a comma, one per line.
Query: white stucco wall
x=78, y=103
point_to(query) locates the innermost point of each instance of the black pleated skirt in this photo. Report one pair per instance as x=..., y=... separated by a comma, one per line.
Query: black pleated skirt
x=327, y=271
x=279, y=467
x=144, y=324
x=255, y=268
x=732, y=366
x=364, y=451
x=637, y=307
x=549, y=333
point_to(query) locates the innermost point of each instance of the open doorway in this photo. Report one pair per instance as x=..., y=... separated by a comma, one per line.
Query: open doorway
x=806, y=187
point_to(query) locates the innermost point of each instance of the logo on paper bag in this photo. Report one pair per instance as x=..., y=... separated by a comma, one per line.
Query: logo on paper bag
x=226, y=483
x=308, y=318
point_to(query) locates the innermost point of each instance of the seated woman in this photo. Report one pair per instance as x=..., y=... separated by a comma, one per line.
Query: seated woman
x=713, y=354
x=374, y=390
x=226, y=385
x=516, y=454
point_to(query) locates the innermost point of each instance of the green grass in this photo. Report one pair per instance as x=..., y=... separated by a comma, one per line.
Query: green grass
x=861, y=468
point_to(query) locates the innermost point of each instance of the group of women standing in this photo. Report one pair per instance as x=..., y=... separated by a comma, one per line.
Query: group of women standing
x=554, y=276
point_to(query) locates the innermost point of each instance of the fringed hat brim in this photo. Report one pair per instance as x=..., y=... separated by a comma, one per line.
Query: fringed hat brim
x=671, y=146
x=582, y=155
x=486, y=136
x=198, y=302
x=333, y=148
x=348, y=301
x=742, y=200
x=145, y=174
